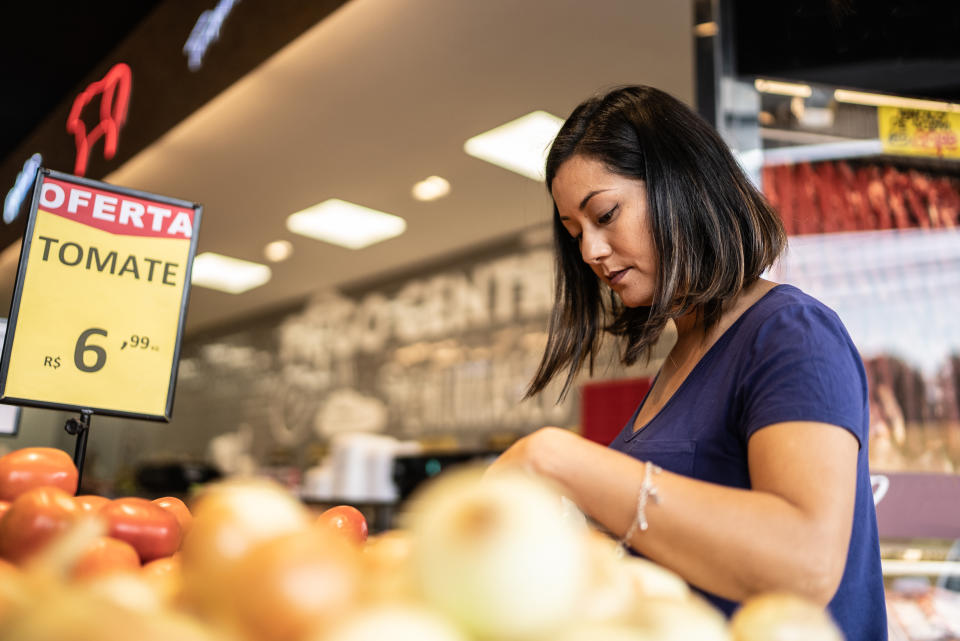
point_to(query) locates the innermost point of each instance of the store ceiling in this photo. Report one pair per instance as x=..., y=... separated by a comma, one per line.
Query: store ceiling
x=382, y=94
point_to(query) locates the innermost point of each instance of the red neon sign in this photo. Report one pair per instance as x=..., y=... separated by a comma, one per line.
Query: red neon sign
x=114, y=92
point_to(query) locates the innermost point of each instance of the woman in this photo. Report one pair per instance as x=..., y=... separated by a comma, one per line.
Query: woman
x=744, y=468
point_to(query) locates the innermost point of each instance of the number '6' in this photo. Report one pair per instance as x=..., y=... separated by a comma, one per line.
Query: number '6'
x=82, y=347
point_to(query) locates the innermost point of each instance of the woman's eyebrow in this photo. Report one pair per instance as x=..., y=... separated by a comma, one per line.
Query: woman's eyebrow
x=586, y=199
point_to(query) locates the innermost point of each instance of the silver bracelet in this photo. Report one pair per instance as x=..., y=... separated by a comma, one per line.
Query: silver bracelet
x=648, y=491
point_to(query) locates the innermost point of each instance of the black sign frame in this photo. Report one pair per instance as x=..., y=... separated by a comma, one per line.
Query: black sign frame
x=18, y=291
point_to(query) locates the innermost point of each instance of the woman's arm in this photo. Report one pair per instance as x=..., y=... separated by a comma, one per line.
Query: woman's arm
x=790, y=532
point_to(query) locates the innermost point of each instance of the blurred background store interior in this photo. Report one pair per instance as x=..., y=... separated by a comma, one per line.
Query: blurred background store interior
x=352, y=373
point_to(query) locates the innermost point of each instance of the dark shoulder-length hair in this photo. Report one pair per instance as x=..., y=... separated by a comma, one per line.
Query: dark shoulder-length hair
x=713, y=231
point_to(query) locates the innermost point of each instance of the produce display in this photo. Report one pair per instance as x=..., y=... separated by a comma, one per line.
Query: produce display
x=476, y=558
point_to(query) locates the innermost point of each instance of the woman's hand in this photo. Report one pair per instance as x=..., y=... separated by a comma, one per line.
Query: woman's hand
x=537, y=453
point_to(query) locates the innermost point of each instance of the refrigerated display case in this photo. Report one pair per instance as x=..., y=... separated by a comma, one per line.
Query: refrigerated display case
x=870, y=198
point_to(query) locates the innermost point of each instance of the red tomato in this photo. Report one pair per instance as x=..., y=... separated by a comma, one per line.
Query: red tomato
x=90, y=503
x=31, y=467
x=34, y=518
x=105, y=555
x=151, y=530
x=347, y=521
x=4, y=506
x=179, y=509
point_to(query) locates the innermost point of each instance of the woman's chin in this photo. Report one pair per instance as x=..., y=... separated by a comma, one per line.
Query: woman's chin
x=634, y=302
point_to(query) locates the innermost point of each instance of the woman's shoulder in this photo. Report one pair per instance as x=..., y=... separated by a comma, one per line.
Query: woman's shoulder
x=786, y=301
x=787, y=315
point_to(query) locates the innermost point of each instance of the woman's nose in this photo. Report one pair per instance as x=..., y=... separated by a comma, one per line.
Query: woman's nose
x=594, y=247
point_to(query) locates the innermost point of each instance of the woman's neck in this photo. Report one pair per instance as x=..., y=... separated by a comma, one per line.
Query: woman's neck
x=691, y=334
x=688, y=325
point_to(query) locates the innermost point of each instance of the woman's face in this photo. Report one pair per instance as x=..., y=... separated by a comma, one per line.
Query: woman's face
x=608, y=215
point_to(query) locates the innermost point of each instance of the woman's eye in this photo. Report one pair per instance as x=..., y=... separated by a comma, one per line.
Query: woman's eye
x=607, y=217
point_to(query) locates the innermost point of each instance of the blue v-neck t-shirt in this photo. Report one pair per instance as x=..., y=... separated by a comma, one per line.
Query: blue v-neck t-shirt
x=786, y=358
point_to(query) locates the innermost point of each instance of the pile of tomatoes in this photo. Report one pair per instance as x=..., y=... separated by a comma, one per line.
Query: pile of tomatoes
x=60, y=545
x=37, y=487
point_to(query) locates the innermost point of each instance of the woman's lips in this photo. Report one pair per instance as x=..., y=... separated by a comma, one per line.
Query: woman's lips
x=616, y=277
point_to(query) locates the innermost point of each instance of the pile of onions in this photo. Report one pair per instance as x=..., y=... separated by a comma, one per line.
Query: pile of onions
x=480, y=558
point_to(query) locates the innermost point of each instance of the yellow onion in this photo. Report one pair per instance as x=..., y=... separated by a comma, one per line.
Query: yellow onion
x=602, y=632
x=497, y=556
x=651, y=580
x=611, y=591
x=229, y=518
x=394, y=623
x=388, y=569
x=782, y=617
x=165, y=577
x=294, y=584
x=11, y=589
x=680, y=620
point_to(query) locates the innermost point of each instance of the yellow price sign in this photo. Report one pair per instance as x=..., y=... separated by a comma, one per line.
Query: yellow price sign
x=918, y=132
x=100, y=300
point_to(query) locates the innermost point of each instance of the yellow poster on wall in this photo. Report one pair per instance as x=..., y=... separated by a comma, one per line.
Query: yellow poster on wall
x=918, y=132
x=100, y=300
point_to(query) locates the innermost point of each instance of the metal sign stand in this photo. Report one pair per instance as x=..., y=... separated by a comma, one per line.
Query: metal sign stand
x=80, y=428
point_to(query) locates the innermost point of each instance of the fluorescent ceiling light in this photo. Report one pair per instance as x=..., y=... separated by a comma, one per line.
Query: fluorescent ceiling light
x=520, y=145
x=231, y=275
x=884, y=100
x=431, y=188
x=278, y=250
x=346, y=224
x=782, y=88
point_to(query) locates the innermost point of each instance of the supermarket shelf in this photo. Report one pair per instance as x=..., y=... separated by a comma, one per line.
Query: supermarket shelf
x=897, y=567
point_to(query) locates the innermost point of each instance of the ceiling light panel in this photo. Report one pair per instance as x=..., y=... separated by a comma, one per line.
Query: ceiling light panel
x=431, y=188
x=346, y=224
x=278, y=250
x=520, y=145
x=227, y=274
